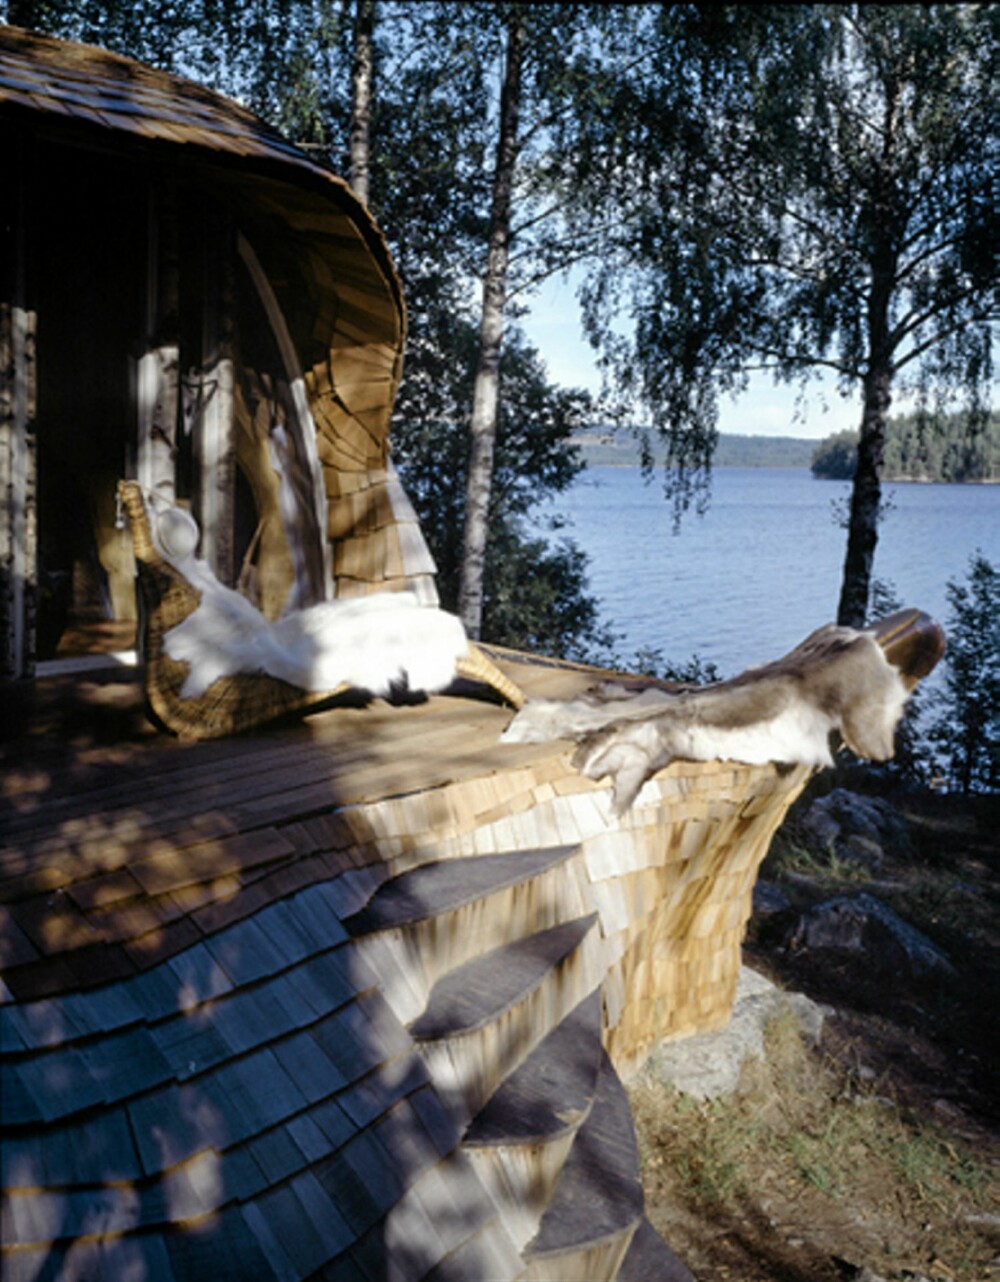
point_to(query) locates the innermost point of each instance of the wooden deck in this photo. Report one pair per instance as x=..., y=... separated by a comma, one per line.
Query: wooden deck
x=122, y=840
x=290, y=978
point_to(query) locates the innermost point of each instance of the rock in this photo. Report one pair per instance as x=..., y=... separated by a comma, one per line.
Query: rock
x=854, y=827
x=769, y=899
x=773, y=915
x=709, y=1064
x=865, y=927
x=983, y=1221
x=809, y=1015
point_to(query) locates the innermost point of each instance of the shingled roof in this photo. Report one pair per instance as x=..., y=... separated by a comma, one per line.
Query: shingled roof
x=97, y=89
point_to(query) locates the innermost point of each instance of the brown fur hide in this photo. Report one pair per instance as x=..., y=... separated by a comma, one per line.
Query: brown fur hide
x=837, y=680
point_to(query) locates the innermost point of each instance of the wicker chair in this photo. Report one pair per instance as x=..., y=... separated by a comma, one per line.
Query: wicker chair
x=242, y=701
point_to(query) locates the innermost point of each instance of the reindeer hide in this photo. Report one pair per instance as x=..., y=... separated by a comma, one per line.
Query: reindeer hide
x=377, y=643
x=838, y=679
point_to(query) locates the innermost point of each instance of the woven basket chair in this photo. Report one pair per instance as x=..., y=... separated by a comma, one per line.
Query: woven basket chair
x=241, y=701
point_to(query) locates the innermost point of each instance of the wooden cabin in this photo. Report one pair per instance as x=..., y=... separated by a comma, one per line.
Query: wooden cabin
x=188, y=301
x=347, y=996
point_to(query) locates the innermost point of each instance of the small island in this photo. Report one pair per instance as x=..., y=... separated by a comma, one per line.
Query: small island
x=945, y=451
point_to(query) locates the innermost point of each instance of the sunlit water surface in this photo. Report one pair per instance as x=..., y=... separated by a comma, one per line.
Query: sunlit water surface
x=753, y=576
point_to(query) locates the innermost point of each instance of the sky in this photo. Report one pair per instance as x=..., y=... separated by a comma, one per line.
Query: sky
x=553, y=327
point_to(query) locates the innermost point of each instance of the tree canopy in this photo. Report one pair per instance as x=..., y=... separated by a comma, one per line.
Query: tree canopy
x=430, y=132
x=793, y=189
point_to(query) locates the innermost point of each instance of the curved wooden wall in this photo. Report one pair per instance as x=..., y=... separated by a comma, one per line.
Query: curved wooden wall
x=326, y=267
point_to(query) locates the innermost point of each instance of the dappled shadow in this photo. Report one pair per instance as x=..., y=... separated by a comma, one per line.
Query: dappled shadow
x=237, y=1098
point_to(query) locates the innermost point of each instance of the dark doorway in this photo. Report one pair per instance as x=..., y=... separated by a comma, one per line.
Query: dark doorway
x=86, y=238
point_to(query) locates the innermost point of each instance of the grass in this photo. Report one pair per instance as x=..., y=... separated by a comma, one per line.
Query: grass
x=881, y=1150
x=825, y=868
x=806, y=1140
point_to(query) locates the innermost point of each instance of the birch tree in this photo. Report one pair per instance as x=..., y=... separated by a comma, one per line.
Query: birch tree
x=361, y=99
x=486, y=390
x=807, y=188
x=458, y=149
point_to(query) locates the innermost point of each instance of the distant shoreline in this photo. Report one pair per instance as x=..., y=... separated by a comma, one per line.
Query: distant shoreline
x=609, y=447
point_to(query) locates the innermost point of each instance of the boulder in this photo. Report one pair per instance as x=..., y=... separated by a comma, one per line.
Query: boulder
x=854, y=827
x=709, y=1065
x=862, y=927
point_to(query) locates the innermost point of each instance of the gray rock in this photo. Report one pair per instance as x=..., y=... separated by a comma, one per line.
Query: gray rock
x=773, y=915
x=710, y=1064
x=854, y=827
x=869, y=929
x=769, y=900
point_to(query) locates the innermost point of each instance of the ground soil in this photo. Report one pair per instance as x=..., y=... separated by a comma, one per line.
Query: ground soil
x=927, y=1055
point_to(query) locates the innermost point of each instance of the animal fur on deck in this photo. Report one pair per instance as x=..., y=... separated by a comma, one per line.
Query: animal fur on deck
x=380, y=643
x=246, y=699
x=838, y=679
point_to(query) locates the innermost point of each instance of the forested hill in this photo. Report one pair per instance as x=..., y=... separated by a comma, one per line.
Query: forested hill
x=611, y=447
x=947, y=452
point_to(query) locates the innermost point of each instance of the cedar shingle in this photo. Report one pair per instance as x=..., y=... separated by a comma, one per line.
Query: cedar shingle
x=162, y=944
x=324, y=983
x=308, y=1136
x=312, y=1071
x=252, y=1094
x=222, y=1250
x=199, y=976
x=104, y=1009
x=333, y=1122
x=190, y=1044
x=174, y=1123
x=15, y=946
x=18, y=1106
x=359, y=1205
x=126, y=1063
x=438, y=1122
x=61, y=1083
x=300, y=1239
x=274, y=1262
x=246, y=952
x=259, y=1015
x=344, y=1037
x=322, y=1213
x=277, y=1155
x=196, y=1187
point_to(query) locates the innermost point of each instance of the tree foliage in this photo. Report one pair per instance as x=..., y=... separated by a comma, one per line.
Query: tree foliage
x=535, y=587
x=786, y=188
x=800, y=188
x=836, y=457
x=966, y=731
x=431, y=128
x=951, y=452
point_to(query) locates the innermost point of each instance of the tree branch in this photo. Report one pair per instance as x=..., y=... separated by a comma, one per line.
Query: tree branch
x=940, y=335
x=914, y=320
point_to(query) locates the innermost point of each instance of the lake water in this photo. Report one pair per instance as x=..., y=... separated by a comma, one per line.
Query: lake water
x=753, y=576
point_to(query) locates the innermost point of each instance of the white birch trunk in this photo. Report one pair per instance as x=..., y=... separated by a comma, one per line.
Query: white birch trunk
x=486, y=391
x=361, y=99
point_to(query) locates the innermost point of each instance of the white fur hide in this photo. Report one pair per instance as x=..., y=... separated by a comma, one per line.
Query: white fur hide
x=837, y=680
x=376, y=643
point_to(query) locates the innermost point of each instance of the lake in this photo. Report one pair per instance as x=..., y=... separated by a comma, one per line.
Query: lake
x=753, y=576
